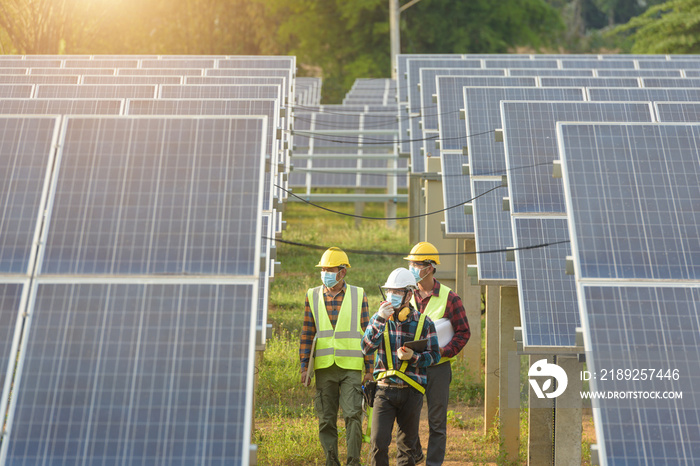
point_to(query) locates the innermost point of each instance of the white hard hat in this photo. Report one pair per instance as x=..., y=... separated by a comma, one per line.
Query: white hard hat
x=400, y=278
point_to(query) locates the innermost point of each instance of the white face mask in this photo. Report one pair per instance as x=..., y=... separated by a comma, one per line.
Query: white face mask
x=416, y=272
x=396, y=300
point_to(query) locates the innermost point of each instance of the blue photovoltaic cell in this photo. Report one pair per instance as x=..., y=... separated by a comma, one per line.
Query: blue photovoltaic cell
x=428, y=88
x=671, y=82
x=512, y=63
x=456, y=190
x=640, y=94
x=492, y=230
x=133, y=374
x=26, y=153
x=415, y=140
x=61, y=106
x=402, y=71
x=633, y=199
x=548, y=72
x=96, y=91
x=486, y=156
x=640, y=73
x=669, y=64
x=10, y=303
x=451, y=101
x=157, y=195
x=548, y=304
x=598, y=64
x=633, y=330
x=157, y=79
x=678, y=112
x=229, y=91
x=529, y=132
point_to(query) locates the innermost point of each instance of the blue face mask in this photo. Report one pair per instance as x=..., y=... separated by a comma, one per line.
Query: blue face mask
x=396, y=300
x=329, y=279
x=416, y=273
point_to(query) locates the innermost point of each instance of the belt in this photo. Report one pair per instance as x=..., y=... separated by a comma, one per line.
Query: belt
x=391, y=385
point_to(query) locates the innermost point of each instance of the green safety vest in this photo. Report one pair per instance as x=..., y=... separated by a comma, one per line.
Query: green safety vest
x=342, y=346
x=436, y=310
x=390, y=356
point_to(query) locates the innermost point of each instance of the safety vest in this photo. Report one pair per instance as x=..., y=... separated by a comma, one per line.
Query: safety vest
x=390, y=356
x=342, y=346
x=436, y=310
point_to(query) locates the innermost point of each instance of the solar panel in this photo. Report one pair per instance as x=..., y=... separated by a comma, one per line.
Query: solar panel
x=402, y=71
x=156, y=195
x=158, y=72
x=632, y=195
x=638, y=329
x=691, y=73
x=547, y=295
x=15, y=62
x=492, y=232
x=38, y=79
x=95, y=91
x=27, y=151
x=16, y=90
x=13, y=71
x=132, y=80
x=513, y=63
x=639, y=73
x=589, y=82
x=456, y=190
x=179, y=63
x=71, y=71
x=12, y=305
x=229, y=91
x=669, y=64
x=639, y=94
x=671, y=112
x=549, y=72
x=529, y=133
x=135, y=373
x=598, y=64
x=413, y=67
x=415, y=139
x=61, y=106
x=103, y=62
x=670, y=82
x=428, y=88
x=258, y=62
x=487, y=157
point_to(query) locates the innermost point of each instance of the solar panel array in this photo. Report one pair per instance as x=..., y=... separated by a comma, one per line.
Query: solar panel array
x=136, y=248
x=635, y=290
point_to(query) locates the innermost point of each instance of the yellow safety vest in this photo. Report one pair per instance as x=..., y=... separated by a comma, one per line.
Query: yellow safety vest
x=390, y=356
x=436, y=310
x=342, y=346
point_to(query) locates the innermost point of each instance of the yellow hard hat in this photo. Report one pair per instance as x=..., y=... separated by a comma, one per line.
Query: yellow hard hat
x=334, y=257
x=422, y=252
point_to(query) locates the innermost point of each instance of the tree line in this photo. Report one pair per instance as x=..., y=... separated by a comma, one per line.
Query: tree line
x=340, y=40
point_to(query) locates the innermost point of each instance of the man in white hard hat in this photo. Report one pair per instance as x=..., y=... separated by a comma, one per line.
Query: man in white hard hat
x=400, y=370
x=336, y=315
x=441, y=304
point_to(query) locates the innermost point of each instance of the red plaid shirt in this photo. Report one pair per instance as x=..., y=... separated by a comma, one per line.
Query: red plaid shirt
x=454, y=310
x=308, y=329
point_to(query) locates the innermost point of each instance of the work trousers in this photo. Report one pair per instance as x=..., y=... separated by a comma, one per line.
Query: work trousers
x=402, y=405
x=437, y=395
x=339, y=387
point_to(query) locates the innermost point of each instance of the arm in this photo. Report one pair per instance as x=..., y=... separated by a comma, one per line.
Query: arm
x=458, y=318
x=373, y=335
x=364, y=323
x=308, y=331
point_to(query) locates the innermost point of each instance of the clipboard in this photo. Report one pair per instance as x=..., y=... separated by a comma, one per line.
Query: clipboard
x=310, y=367
x=417, y=345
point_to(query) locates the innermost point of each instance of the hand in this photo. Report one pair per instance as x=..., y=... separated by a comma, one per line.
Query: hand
x=385, y=310
x=404, y=353
x=305, y=380
x=368, y=378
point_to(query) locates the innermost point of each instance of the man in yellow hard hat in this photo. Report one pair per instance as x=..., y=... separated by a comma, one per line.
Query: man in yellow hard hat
x=444, y=307
x=335, y=318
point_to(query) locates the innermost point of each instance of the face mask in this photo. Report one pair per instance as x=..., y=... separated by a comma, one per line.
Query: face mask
x=416, y=273
x=395, y=299
x=329, y=279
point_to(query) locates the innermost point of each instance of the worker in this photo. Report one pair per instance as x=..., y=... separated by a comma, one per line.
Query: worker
x=400, y=371
x=437, y=302
x=335, y=317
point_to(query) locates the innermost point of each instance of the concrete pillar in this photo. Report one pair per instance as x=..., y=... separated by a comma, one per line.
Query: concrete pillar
x=415, y=199
x=471, y=299
x=568, y=415
x=540, y=442
x=493, y=306
x=509, y=382
x=447, y=270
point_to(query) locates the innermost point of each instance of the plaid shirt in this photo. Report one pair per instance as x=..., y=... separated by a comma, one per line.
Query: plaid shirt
x=398, y=335
x=308, y=329
x=454, y=310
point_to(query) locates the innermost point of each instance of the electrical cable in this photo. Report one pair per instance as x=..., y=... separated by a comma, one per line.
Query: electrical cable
x=389, y=253
x=303, y=170
x=384, y=218
x=369, y=140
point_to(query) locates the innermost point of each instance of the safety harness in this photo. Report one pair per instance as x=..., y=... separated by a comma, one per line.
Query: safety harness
x=389, y=359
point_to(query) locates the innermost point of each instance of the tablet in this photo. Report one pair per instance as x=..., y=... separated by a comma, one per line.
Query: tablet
x=417, y=345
